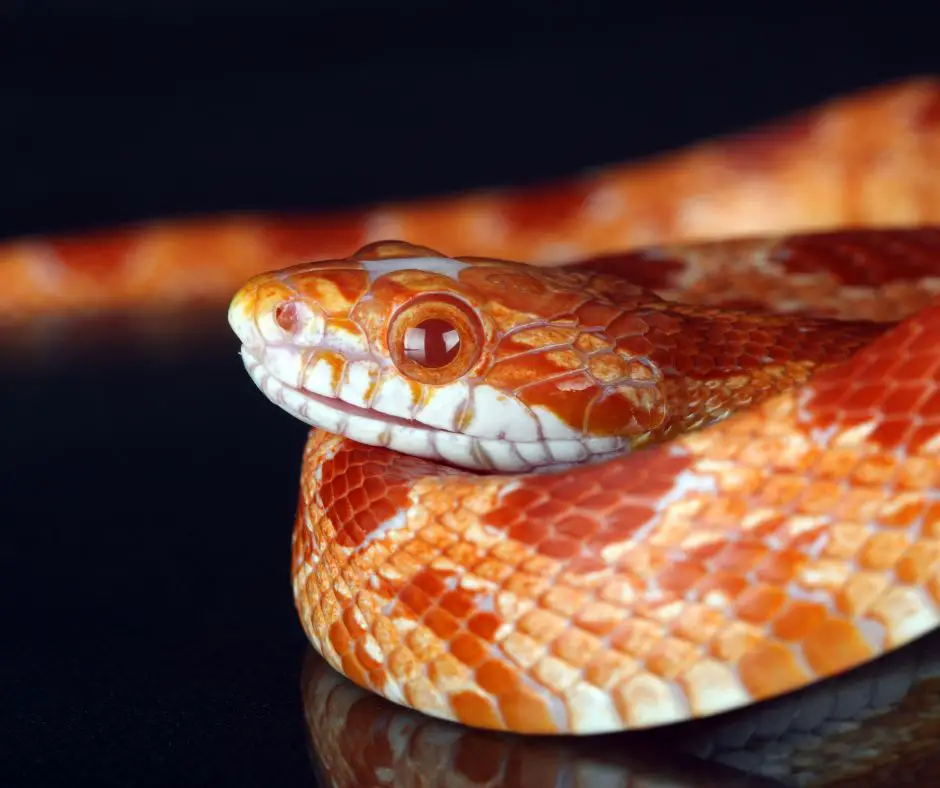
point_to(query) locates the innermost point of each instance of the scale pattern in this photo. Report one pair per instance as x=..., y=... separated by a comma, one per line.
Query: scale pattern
x=788, y=543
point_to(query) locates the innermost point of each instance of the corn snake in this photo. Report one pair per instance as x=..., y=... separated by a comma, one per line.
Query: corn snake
x=137, y=289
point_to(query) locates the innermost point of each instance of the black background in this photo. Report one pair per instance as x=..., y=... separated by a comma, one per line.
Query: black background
x=146, y=489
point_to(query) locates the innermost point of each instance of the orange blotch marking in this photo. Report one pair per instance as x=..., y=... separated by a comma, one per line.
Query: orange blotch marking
x=545, y=210
x=567, y=397
x=293, y=241
x=358, y=503
x=100, y=255
x=334, y=291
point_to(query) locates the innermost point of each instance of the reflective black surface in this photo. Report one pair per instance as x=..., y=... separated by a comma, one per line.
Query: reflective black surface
x=146, y=489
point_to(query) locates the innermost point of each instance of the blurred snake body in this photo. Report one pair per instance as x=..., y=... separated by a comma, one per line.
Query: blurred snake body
x=679, y=459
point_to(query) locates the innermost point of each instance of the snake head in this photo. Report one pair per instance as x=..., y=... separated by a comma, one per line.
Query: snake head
x=480, y=363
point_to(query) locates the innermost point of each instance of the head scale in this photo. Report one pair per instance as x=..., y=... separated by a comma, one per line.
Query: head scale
x=480, y=363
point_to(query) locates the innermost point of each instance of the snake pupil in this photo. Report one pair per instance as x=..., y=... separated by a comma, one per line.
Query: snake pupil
x=432, y=343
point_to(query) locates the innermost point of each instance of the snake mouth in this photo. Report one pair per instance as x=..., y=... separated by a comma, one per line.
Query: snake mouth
x=293, y=399
x=406, y=436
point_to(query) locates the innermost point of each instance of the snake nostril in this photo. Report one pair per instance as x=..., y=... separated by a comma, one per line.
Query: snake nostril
x=286, y=317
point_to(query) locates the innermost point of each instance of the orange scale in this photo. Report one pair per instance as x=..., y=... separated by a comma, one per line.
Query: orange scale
x=497, y=678
x=525, y=711
x=671, y=657
x=770, y=669
x=429, y=582
x=593, y=314
x=441, y=623
x=780, y=566
x=930, y=408
x=503, y=516
x=385, y=509
x=571, y=489
x=622, y=524
x=905, y=398
x=681, y=576
x=722, y=583
x=468, y=648
x=472, y=708
x=920, y=562
x=558, y=547
x=353, y=627
x=348, y=533
x=527, y=532
x=894, y=432
x=931, y=523
x=834, y=646
x=740, y=557
x=414, y=599
x=368, y=663
x=799, y=619
x=922, y=435
x=874, y=470
x=827, y=397
x=339, y=638
x=585, y=565
x=883, y=550
x=522, y=498
x=576, y=526
x=913, y=368
x=601, y=500
x=635, y=345
x=484, y=625
x=457, y=602
x=901, y=513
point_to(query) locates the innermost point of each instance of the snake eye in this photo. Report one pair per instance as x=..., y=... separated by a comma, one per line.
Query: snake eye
x=286, y=317
x=435, y=339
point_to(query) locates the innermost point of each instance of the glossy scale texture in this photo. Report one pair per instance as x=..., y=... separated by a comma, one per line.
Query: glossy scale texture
x=790, y=542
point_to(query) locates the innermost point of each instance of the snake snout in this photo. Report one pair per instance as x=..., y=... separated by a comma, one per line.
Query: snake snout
x=241, y=316
x=266, y=312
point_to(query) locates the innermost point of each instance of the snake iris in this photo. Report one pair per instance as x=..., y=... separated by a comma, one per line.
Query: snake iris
x=616, y=493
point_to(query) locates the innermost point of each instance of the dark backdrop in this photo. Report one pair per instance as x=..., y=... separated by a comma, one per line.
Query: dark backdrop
x=146, y=490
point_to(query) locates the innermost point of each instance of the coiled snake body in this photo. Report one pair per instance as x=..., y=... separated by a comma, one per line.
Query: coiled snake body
x=687, y=504
x=747, y=430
